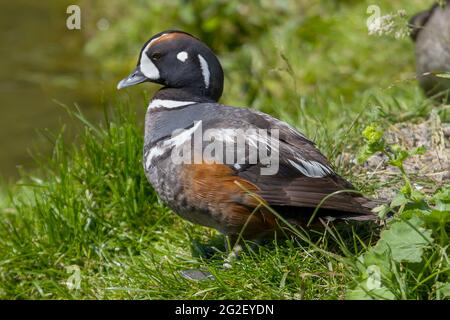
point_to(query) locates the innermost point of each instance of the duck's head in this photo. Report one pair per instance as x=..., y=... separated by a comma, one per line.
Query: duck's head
x=178, y=60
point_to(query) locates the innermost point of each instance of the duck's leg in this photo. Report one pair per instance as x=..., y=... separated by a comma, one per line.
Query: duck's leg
x=235, y=246
x=233, y=249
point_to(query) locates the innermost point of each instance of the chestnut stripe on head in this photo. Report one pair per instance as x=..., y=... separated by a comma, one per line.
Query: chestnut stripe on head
x=167, y=37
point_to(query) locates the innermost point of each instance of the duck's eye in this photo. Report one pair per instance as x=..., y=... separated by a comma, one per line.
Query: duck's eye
x=156, y=55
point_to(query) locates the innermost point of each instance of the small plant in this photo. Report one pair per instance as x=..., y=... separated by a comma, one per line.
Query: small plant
x=410, y=260
x=394, y=24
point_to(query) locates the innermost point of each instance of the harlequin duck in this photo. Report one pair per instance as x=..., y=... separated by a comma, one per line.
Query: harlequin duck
x=430, y=30
x=211, y=186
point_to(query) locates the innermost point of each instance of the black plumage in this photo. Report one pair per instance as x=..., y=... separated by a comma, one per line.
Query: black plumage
x=229, y=195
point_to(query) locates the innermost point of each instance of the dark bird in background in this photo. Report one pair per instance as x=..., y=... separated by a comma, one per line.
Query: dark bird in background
x=430, y=30
x=230, y=197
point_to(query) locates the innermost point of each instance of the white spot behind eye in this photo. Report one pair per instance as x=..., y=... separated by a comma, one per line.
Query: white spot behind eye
x=148, y=68
x=182, y=56
x=205, y=70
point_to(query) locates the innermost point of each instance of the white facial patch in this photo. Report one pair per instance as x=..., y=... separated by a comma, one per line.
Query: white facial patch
x=148, y=68
x=182, y=56
x=205, y=70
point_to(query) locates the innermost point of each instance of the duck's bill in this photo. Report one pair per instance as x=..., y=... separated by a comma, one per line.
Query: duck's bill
x=135, y=77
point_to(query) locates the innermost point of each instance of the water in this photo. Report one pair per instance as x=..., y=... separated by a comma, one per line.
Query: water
x=40, y=61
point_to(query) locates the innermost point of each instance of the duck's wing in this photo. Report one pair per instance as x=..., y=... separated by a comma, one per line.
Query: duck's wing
x=299, y=175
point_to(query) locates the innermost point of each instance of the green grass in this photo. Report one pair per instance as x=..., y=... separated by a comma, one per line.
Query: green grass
x=90, y=208
x=96, y=210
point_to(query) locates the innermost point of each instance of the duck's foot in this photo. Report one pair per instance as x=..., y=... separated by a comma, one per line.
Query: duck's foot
x=233, y=247
x=233, y=255
x=207, y=250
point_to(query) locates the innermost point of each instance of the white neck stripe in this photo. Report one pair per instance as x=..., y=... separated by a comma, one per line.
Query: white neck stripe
x=168, y=104
x=205, y=70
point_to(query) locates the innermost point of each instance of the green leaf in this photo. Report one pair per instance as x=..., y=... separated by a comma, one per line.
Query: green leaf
x=374, y=142
x=372, y=133
x=443, y=207
x=381, y=211
x=381, y=259
x=419, y=150
x=399, y=200
x=399, y=156
x=443, y=75
x=442, y=200
x=437, y=216
x=443, y=290
x=360, y=294
x=363, y=155
x=406, y=240
x=417, y=196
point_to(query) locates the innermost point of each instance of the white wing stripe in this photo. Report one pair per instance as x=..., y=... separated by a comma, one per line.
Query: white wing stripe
x=311, y=169
x=175, y=141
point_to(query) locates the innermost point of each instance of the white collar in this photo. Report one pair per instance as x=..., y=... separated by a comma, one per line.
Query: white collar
x=168, y=104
